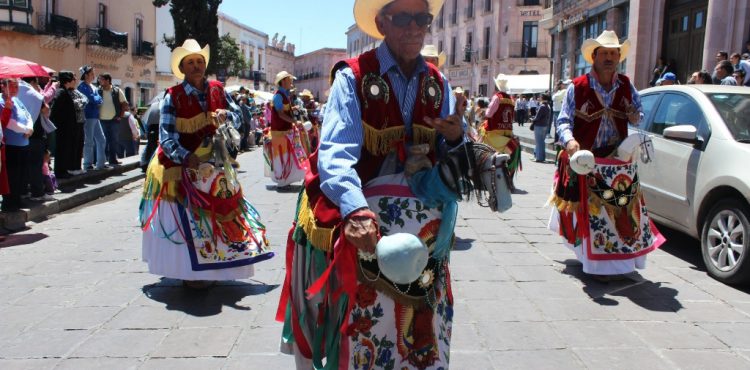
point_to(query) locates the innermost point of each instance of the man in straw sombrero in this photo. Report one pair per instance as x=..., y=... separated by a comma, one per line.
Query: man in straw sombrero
x=497, y=128
x=286, y=156
x=197, y=226
x=600, y=214
x=340, y=309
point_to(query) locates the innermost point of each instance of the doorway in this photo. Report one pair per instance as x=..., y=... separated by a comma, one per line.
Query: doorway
x=685, y=29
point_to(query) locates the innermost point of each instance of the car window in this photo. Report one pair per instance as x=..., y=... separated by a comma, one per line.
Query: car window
x=677, y=109
x=648, y=103
x=734, y=109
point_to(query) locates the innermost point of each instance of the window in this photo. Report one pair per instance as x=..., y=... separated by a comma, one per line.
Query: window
x=4, y=2
x=699, y=20
x=677, y=109
x=486, y=50
x=453, y=50
x=454, y=15
x=625, y=22
x=482, y=89
x=440, y=46
x=487, y=5
x=470, y=9
x=648, y=103
x=441, y=17
x=469, y=40
x=138, y=35
x=530, y=2
x=102, y=16
x=530, y=37
x=18, y=3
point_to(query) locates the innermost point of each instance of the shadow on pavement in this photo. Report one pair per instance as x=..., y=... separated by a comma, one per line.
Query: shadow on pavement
x=653, y=296
x=463, y=244
x=13, y=240
x=683, y=247
x=519, y=191
x=204, y=302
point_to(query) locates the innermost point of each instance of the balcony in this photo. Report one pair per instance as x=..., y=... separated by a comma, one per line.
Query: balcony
x=524, y=50
x=57, y=32
x=106, y=43
x=16, y=16
x=143, y=52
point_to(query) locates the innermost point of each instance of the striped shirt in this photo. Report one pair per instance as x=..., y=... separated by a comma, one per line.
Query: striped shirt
x=607, y=129
x=168, y=135
x=342, y=134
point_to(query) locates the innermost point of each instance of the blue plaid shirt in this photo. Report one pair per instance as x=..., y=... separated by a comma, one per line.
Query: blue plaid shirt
x=607, y=129
x=342, y=134
x=168, y=135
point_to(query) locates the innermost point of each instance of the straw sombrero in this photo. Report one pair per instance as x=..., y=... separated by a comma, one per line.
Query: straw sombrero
x=501, y=82
x=608, y=39
x=282, y=75
x=365, y=12
x=430, y=51
x=189, y=47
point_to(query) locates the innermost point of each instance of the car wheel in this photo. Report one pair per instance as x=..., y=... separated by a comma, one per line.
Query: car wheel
x=725, y=242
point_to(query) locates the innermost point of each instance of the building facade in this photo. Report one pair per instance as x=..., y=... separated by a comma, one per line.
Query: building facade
x=279, y=57
x=482, y=38
x=113, y=36
x=358, y=42
x=313, y=70
x=164, y=28
x=252, y=44
x=686, y=33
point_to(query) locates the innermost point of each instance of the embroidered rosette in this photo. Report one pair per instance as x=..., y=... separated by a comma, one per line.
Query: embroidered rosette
x=374, y=87
x=431, y=92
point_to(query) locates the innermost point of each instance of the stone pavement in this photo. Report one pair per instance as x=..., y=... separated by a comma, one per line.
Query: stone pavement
x=75, y=295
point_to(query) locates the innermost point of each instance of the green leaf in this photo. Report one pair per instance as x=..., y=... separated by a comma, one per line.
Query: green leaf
x=409, y=214
x=399, y=222
x=405, y=204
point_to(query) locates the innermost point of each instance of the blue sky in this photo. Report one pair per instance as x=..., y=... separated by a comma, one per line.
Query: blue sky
x=309, y=25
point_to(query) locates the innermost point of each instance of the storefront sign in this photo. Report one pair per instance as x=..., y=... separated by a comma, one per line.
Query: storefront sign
x=531, y=13
x=573, y=20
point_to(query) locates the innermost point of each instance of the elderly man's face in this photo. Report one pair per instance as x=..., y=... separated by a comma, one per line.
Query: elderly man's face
x=405, y=40
x=606, y=60
x=287, y=83
x=193, y=66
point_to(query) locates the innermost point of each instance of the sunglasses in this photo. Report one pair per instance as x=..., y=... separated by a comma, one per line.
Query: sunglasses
x=404, y=19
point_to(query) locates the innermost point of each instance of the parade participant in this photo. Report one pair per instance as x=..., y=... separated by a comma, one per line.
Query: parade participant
x=337, y=306
x=497, y=128
x=285, y=152
x=601, y=214
x=431, y=55
x=312, y=110
x=197, y=226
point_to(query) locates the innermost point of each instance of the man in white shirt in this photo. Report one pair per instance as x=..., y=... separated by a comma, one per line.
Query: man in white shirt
x=114, y=105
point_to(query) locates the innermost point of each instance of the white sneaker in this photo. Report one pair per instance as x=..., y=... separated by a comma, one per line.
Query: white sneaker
x=77, y=172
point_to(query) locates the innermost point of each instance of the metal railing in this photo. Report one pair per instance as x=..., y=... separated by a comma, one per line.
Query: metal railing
x=58, y=25
x=526, y=50
x=145, y=49
x=107, y=38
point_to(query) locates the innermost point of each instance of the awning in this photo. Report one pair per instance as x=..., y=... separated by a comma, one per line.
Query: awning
x=527, y=84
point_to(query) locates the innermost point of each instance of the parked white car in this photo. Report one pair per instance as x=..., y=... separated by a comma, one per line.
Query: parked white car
x=699, y=179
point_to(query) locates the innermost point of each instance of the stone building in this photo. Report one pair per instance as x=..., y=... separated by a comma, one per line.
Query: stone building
x=313, y=70
x=482, y=38
x=687, y=32
x=279, y=57
x=113, y=36
x=252, y=44
x=358, y=42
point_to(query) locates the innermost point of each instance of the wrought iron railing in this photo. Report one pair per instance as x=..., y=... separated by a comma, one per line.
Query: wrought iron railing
x=58, y=25
x=107, y=38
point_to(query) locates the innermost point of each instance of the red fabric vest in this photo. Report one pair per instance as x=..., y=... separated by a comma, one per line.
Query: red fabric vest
x=586, y=124
x=504, y=115
x=188, y=106
x=380, y=109
x=278, y=124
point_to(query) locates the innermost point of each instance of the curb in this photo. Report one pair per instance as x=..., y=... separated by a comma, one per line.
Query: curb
x=105, y=184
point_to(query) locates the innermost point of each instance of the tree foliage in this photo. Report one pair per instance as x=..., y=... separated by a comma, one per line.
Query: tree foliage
x=198, y=19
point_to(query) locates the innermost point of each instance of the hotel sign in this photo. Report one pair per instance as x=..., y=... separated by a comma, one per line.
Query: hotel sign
x=531, y=13
x=573, y=20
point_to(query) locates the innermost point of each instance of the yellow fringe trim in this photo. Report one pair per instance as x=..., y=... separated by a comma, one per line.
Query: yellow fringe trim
x=191, y=125
x=319, y=237
x=506, y=101
x=497, y=139
x=563, y=205
x=380, y=141
x=424, y=135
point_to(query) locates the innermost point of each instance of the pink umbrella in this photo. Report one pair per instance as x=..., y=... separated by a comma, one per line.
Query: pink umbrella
x=14, y=68
x=49, y=70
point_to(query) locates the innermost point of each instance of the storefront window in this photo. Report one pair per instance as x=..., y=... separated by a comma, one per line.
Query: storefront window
x=699, y=20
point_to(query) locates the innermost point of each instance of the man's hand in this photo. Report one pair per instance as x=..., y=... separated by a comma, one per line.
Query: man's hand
x=192, y=161
x=28, y=133
x=451, y=127
x=634, y=117
x=571, y=147
x=362, y=231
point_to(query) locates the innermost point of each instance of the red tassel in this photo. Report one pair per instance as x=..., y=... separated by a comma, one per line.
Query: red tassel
x=285, y=292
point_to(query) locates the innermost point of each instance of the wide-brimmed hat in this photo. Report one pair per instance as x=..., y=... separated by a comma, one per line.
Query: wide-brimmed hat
x=282, y=75
x=501, y=82
x=365, y=12
x=430, y=51
x=307, y=93
x=189, y=47
x=608, y=39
